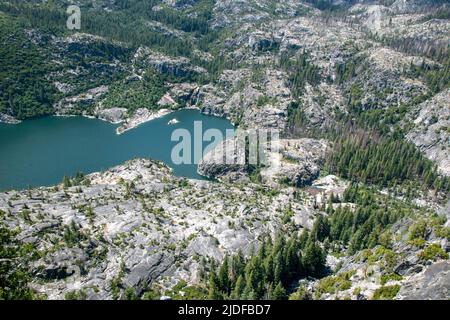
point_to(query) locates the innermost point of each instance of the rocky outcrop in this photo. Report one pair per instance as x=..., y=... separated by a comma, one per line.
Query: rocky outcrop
x=180, y=95
x=176, y=66
x=141, y=116
x=5, y=118
x=225, y=162
x=136, y=225
x=382, y=81
x=431, y=284
x=297, y=163
x=258, y=103
x=263, y=42
x=321, y=104
x=82, y=104
x=431, y=131
x=113, y=115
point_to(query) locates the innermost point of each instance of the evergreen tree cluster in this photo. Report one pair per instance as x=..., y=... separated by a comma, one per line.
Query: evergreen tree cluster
x=21, y=64
x=197, y=23
x=269, y=273
x=127, y=23
x=297, y=120
x=14, y=265
x=362, y=228
x=386, y=161
x=301, y=71
x=436, y=77
x=347, y=70
x=137, y=94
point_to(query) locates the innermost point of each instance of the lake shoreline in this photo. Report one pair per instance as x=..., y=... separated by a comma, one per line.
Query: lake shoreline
x=140, y=117
x=42, y=151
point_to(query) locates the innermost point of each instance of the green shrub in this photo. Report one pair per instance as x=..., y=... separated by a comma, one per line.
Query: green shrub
x=300, y=294
x=130, y=294
x=386, y=292
x=181, y=291
x=391, y=276
x=418, y=231
x=334, y=284
x=433, y=252
x=75, y=295
x=442, y=232
x=152, y=294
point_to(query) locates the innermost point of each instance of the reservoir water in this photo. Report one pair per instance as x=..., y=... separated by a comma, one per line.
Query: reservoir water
x=40, y=152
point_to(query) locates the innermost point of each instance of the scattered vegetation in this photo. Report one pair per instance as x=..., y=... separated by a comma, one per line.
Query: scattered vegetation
x=15, y=259
x=182, y=291
x=301, y=71
x=75, y=295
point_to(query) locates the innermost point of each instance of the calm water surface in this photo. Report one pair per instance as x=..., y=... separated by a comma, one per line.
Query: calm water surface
x=40, y=152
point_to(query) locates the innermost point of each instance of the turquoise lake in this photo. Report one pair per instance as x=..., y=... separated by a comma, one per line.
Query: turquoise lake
x=40, y=152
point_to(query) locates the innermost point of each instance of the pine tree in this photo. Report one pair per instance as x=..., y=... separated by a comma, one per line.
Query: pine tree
x=279, y=293
x=237, y=266
x=214, y=292
x=278, y=268
x=269, y=268
x=223, y=278
x=14, y=267
x=314, y=259
x=66, y=182
x=239, y=288
x=321, y=228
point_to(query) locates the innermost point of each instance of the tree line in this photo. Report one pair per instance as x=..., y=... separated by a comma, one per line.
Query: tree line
x=363, y=227
x=365, y=156
x=15, y=259
x=301, y=71
x=268, y=273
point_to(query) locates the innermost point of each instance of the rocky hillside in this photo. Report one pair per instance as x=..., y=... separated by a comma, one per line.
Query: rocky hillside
x=139, y=221
x=136, y=226
x=359, y=90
